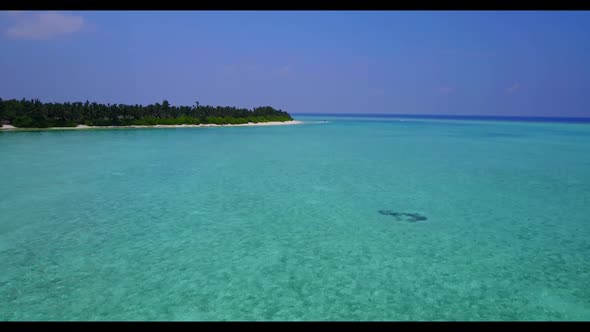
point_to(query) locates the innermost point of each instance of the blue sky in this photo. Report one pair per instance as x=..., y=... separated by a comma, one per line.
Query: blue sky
x=445, y=62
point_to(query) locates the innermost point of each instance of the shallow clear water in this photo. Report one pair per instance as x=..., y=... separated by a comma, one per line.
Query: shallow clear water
x=282, y=223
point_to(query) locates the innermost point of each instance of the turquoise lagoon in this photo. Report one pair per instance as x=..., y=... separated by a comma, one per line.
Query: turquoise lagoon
x=282, y=222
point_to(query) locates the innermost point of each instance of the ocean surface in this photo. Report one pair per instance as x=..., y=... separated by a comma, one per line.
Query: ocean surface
x=284, y=223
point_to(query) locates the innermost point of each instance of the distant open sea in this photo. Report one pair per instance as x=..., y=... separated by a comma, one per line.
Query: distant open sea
x=456, y=117
x=352, y=218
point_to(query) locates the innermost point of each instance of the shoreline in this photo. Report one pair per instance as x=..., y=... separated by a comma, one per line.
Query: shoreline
x=82, y=127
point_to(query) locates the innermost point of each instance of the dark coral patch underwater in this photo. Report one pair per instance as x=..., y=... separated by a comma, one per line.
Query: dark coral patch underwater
x=402, y=216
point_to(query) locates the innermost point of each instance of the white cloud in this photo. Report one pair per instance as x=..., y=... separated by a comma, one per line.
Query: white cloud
x=512, y=89
x=43, y=25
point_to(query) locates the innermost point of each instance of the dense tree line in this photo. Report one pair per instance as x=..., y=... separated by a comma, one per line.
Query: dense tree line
x=36, y=114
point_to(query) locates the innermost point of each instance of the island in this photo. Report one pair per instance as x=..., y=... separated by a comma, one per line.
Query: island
x=36, y=114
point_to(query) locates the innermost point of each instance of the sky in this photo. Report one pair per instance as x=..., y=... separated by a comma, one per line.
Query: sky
x=501, y=63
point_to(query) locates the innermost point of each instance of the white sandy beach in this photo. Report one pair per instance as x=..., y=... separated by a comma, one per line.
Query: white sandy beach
x=294, y=122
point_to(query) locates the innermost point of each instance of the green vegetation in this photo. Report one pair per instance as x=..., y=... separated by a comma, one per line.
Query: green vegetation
x=35, y=114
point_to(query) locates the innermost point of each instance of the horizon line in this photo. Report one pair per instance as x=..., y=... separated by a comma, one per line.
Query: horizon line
x=447, y=115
